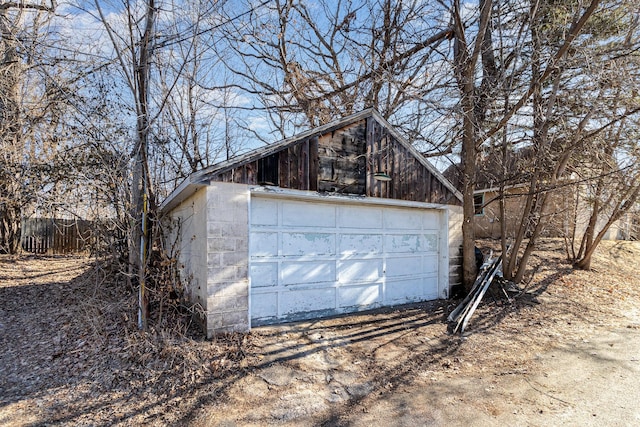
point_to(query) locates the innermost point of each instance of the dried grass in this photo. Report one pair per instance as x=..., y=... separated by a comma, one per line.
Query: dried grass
x=71, y=352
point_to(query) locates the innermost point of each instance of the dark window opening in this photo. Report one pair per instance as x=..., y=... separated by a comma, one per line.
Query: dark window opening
x=268, y=170
x=478, y=204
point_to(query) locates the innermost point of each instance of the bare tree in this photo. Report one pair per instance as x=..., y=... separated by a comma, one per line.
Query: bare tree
x=30, y=111
x=562, y=125
x=615, y=193
x=162, y=67
x=197, y=124
x=536, y=90
x=134, y=51
x=308, y=64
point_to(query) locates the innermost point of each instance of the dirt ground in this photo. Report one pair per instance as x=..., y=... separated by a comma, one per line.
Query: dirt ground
x=566, y=352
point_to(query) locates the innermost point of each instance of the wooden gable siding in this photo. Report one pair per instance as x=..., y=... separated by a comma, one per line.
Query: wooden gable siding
x=333, y=162
x=410, y=179
x=295, y=166
x=344, y=161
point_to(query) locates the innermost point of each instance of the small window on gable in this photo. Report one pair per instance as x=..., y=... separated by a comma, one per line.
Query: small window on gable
x=478, y=204
x=268, y=170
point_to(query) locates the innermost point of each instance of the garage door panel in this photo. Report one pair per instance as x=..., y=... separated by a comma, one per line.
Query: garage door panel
x=430, y=287
x=264, y=274
x=265, y=212
x=360, y=244
x=408, y=219
x=359, y=217
x=431, y=221
x=299, y=214
x=311, y=243
x=263, y=245
x=294, y=272
x=360, y=295
x=362, y=270
x=429, y=242
x=402, y=291
x=430, y=264
x=404, y=266
x=264, y=305
x=307, y=300
x=402, y=243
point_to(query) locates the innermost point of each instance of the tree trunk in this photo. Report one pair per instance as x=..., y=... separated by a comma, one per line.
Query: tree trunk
x=473, y=104
x=10, y=229
x=468, y=166
x=619, y=211
x=141, y=185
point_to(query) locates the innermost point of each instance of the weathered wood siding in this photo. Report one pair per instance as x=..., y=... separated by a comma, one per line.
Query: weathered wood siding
x=345, y=160
x=410, y=180
x=295, y=166
x=342, y=160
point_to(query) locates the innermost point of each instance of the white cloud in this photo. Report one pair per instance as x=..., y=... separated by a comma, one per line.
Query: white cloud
x=259, y=124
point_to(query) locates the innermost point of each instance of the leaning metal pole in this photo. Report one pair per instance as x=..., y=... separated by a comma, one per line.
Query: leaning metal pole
x=142, y=297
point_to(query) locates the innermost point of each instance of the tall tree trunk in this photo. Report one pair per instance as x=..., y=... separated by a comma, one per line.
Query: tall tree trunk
x=141, y=186
x=464, y=76
x=468, y=186
x=471, y=103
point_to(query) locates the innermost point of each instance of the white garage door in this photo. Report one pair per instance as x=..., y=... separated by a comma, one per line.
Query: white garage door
x=311, y=259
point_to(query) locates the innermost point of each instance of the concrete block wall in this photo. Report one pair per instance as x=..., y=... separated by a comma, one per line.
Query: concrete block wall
x=227, y=231
x=187, y=222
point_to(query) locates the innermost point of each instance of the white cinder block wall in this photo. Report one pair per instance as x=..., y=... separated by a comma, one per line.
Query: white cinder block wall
x=227, y=258
x=189, y=218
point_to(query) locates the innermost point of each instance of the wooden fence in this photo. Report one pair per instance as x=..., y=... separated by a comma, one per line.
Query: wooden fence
x=56, y=236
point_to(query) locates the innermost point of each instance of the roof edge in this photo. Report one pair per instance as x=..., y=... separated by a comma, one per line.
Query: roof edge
x=181, y=193
x=277, y=146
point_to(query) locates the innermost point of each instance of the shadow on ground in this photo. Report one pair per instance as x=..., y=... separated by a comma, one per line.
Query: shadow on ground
x=74, y=356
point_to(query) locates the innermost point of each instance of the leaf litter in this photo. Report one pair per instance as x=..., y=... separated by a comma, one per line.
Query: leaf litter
x=72, y=355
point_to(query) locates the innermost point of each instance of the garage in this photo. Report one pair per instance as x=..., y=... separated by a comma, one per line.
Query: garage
x=318, y=258
x=344, y=217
